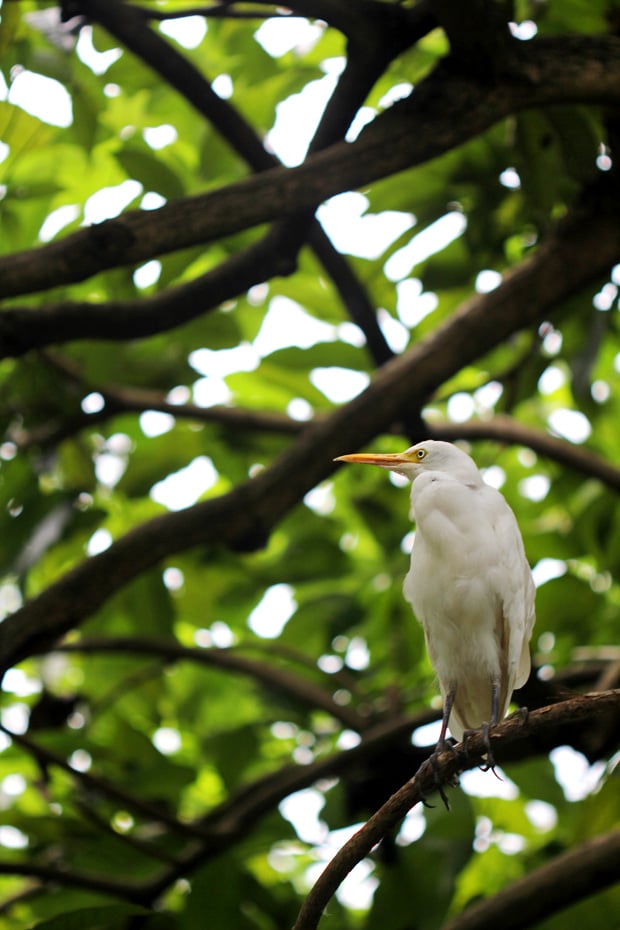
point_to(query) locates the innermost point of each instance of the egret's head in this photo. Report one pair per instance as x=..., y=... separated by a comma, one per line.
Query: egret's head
x=431, y=455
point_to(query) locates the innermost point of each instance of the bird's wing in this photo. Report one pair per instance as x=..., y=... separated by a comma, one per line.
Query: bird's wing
x=516, y=587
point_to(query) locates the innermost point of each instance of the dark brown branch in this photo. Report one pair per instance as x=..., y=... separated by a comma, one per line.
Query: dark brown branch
x=219, y=11
x=449, y=765
x=480, y=41
x=550, y=889
x=119, y=399
x=444, y=111
x=505, y=430
x=128, y=25
x=24, y=328
x=355, y=299
x=69, y=878
x=125, y=399
x=364, y=65
x=369, y=14
x=128, y=319
x=384, y=739
x=583, y=247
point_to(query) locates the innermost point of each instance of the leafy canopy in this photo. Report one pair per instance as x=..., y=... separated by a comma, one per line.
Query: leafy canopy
x=202, y=618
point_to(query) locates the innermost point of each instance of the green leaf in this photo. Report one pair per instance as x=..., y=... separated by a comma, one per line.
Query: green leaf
x=152, y=171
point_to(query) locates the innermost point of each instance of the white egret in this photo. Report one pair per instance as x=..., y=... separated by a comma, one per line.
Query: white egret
x=469, y=584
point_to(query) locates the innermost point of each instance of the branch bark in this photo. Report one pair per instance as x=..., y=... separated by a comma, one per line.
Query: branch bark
x=120, y=320
x=445, y=110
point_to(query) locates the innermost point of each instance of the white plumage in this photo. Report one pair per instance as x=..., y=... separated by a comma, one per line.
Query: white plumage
x=469, y=584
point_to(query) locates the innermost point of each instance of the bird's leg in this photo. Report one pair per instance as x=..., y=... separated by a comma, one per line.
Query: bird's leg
x=484, y=729
x=442, y=742
x=490, y=763
x=442, y=745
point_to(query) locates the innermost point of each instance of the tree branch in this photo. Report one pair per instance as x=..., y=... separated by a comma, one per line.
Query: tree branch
x=585, y=244
x=25, y=328
x=480, y=41
x=68, y=878
x=127, y=399
x=507, y=431
x=449, y=765
x=223, y=10
x=550, y=889
x=444, y=111
x=129, y=319
x=362, y=69
x=120, y=398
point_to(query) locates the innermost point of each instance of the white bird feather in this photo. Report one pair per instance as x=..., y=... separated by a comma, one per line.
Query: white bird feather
x=469, y=583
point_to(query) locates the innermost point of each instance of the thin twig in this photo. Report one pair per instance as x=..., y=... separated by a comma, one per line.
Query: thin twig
x=102, y=785
x=270, y=676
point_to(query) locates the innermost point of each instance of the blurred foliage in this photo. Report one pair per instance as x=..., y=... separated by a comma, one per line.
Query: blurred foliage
x=322, y=601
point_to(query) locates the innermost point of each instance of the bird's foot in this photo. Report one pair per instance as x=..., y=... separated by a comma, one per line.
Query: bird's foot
x=489, y=764
x=442, y=746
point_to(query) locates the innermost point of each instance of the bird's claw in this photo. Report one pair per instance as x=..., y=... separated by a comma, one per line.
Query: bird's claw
x=442, y=746
x=524, y=714
x=490, y=763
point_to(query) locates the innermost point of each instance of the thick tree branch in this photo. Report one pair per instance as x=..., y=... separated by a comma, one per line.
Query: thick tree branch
x=129, y=319
x=23, y=328
x=445, y=110
x=122, y=399
x=225, y=10
x=550, y=889
x=369, y=15
x=449, y=765
x=119, y=399
x=480, y=41
x=507, y=431
x=584, y=246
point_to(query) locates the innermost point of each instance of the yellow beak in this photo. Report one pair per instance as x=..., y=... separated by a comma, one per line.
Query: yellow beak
x=383, y=460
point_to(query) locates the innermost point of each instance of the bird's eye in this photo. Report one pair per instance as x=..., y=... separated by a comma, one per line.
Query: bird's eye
x=421, y=454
